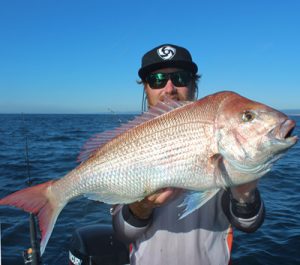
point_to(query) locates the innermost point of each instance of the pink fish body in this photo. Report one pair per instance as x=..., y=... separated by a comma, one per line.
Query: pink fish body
x=219, y=141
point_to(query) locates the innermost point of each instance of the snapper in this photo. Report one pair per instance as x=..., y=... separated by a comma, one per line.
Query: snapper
x=219, y=141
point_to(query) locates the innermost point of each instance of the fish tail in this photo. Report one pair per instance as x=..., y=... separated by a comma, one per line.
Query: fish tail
x=40, y=201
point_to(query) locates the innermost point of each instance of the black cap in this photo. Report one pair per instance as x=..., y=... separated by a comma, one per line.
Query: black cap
x=167, y=55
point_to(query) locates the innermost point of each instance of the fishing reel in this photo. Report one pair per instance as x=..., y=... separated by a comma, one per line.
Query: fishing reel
x=31, y=256
x=27, y=256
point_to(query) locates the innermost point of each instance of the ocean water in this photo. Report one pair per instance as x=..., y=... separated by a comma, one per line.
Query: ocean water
x=54, y=142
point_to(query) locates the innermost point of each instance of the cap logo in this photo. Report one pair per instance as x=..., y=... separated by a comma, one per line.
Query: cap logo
x=166, y=52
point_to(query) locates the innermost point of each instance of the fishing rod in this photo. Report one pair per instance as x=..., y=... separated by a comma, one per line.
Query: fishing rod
x=31, y=256
x=29, y=181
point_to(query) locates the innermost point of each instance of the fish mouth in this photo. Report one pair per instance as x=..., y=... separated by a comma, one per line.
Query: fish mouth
x=284, y=132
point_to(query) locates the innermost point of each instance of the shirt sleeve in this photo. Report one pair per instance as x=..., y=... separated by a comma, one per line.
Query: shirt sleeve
x=247, y=217
x=127, y=227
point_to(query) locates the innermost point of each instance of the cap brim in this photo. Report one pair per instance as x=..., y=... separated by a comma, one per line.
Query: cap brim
x=190, y=66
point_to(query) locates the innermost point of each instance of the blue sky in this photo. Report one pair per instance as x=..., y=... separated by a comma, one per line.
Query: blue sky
x=83, y=56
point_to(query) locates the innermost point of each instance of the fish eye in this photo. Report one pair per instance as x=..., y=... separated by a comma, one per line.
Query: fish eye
x=248, y=116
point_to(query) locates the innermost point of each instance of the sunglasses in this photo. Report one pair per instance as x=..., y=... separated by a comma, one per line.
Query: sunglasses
x=159, y=80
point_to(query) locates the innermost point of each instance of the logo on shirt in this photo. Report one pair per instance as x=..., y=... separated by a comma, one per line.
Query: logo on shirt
x=166, y=52
x=74, y=260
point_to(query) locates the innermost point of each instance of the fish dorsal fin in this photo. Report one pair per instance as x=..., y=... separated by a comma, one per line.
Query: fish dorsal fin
x=100, y=139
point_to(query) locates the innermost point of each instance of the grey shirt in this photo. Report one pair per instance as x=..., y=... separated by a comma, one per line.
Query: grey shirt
x=203, y=237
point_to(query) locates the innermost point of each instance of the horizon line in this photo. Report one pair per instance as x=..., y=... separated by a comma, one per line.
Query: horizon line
x=287, y=111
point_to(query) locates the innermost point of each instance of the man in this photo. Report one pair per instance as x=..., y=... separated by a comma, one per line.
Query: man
x=152, y=225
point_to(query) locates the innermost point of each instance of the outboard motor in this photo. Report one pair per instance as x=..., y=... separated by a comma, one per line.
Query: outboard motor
x=97, y=245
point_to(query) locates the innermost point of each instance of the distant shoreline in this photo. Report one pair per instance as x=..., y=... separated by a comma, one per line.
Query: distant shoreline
x=292, y=112
x=100, y=113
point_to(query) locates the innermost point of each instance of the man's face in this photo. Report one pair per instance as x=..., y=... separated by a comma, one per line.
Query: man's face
x=169, y=90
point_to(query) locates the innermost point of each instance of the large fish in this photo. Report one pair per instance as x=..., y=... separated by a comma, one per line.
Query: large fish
x=219, y=141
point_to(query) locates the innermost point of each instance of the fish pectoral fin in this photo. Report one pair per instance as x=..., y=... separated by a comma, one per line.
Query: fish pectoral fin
x=194, y=200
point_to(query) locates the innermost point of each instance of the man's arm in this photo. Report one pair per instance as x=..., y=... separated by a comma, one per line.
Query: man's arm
x=132, y=220
x=243, y=207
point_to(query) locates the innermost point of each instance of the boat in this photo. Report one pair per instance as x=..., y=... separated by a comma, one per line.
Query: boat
x=97, y=245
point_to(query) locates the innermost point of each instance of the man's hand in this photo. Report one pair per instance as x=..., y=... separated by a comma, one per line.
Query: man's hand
x=245, y=192
x=144, y=208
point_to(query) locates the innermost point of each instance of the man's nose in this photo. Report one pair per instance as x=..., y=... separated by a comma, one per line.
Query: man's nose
x=169, y=87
